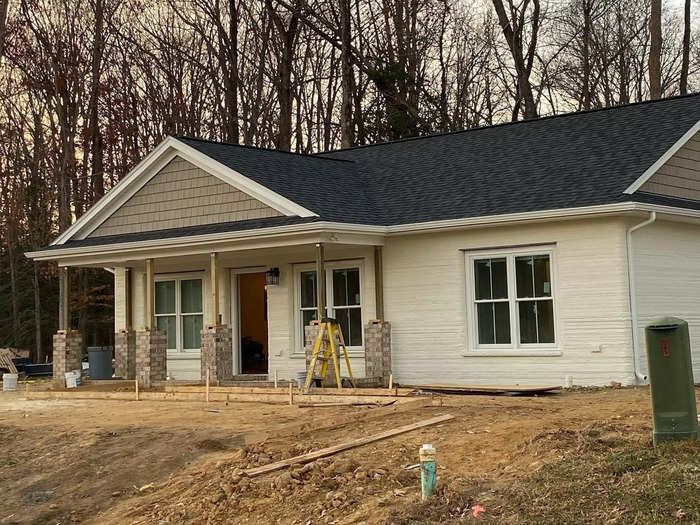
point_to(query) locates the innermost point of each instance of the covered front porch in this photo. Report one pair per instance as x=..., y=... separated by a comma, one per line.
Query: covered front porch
x=238, y=307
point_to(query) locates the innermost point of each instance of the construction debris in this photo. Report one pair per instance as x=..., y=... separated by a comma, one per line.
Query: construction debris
x=6, y=356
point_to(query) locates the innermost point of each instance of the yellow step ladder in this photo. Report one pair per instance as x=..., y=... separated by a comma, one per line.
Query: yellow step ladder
x=330, y=339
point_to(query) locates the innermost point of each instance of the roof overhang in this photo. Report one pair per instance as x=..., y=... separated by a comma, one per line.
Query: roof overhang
x=165, y=152
x=329, y=232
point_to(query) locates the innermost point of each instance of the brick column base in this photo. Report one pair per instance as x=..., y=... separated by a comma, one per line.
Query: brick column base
x=125, y=354
x=310, y=335
x=217, y=353
x=67, y=354
x=151, y=357
x=378, y=350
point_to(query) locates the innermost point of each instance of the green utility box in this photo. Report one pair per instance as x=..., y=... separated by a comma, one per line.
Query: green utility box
x=671, y=379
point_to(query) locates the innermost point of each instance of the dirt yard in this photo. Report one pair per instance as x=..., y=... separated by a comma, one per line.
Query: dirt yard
x=582, y=457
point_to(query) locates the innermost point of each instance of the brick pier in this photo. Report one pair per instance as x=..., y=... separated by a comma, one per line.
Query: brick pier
x=151, y=357
x=378, y=350
x=67, y=354
x=125, y=354
x=217, y=353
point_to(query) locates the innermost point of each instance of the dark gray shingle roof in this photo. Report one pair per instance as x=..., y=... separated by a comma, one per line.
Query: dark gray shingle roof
x=332, y=188
x=566, y=161
x=572, y=160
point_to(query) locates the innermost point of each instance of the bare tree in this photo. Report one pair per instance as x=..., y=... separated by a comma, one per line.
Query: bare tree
x=655, y=50
x=347, y=132
x=685, y=66
x=287, y=30
x=94, y=132
x=514, y=24
x=4, y=7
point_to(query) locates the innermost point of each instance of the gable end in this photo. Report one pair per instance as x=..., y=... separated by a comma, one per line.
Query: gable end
x=180, y=195
x=679, y=176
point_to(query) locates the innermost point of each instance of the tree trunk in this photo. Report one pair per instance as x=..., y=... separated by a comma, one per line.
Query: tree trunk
x=655, y=50
x=39, y=353
x=13, y=283
x=685, y=65
x=623, y=67
x=288, y=37
x=586, y=95
x=347, y=135
x=231, y=96
x=284, y=93
x=513, y=33
x=96, y=145
x=4, y=5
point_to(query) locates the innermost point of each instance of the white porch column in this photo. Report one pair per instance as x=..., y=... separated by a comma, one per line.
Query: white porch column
x=150, y=295
x=214, y=285
x=64, y=315
x=217, y=336
x=320, y=281
x=124, y=336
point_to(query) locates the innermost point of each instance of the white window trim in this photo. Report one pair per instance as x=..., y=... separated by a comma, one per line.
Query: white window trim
x=515, y=348
x=179, y=351
x=353, y=351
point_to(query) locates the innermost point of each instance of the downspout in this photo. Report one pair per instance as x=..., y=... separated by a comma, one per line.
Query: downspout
x=633, y=293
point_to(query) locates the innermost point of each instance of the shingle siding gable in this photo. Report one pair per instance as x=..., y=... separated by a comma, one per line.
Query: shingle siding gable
x=680, y=175
x=182, y=195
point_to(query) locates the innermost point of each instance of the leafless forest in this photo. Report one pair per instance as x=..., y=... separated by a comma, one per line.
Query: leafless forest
x=88, y=87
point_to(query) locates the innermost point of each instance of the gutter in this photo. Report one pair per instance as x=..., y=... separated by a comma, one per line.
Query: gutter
x=324, y=227
x=639, y=377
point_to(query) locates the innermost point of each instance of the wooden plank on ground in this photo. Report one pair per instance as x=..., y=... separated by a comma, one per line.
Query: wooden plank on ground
x=281, y=397
x=346, y=404
x=394, y=392
x=487, y=389
x=329, y=451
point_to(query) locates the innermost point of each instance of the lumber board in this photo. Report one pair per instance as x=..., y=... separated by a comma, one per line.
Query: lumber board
x=281, y=397
x=496, y=389
x=6, y=361
x=394, y=392
x=346, y=404
x=329, y=451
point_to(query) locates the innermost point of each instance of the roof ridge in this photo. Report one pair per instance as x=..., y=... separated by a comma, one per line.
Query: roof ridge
x=503, y=124
x=258, y=148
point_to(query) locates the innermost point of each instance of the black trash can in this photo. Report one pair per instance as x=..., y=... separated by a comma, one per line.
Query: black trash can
x=100, y=360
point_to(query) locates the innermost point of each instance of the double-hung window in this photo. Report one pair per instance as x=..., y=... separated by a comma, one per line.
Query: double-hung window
x=178, y=312
x=512, y=300
x=343, y=297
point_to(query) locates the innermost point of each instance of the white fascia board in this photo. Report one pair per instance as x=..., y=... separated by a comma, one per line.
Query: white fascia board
x=321, y=229
x=145, y=170
x=325, y=230
x=663, y=159
x=510, y=218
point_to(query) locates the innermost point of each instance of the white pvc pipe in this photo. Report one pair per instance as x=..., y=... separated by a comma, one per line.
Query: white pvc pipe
x=633, y=293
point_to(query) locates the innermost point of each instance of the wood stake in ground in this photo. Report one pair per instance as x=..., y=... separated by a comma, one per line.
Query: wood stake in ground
x=325, y=452
x=207, y=387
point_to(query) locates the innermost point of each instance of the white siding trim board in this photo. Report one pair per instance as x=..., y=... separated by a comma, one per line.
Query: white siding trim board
x=333, y=232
